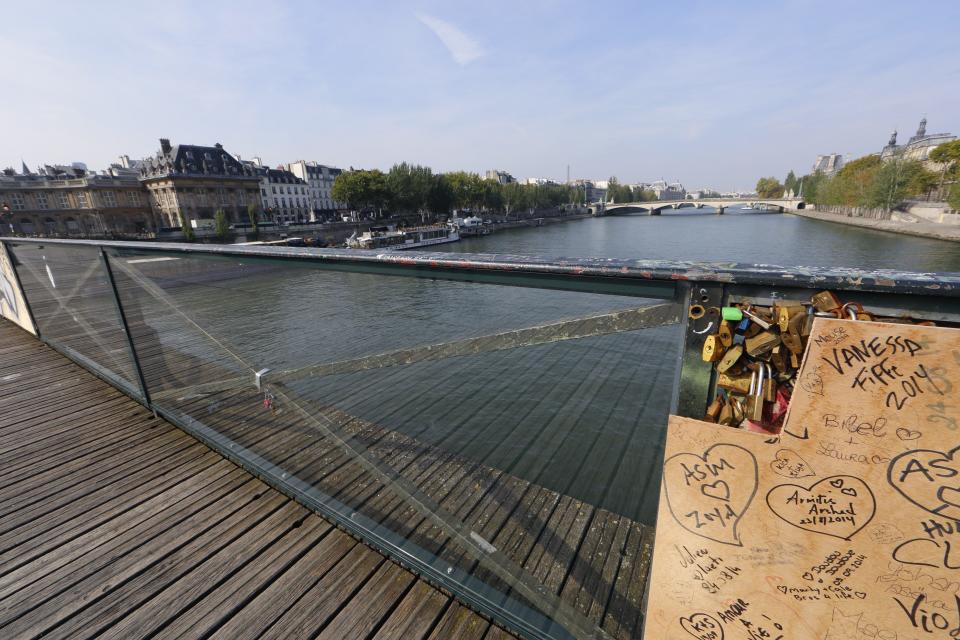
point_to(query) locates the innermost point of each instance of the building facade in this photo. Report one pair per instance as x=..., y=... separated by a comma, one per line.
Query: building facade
x=500, y=176
x=918, y=147
x=285, y=196
x=828, y=164
x=187, y=184
x=591, y=191
x=668, y=190
x=319, y=179
x=62, y=201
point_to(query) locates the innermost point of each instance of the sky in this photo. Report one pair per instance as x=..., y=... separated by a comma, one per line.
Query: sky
x=713, y=94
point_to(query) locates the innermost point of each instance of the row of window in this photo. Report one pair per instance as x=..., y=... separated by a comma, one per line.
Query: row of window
x=296, y=189
x=218, y=197
x=61, y=199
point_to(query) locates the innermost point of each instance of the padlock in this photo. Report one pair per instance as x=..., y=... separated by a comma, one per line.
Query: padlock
x=825, y=301
x=739, y=411
x=713, y=411
x=730, y=357
x=762, y=343
x=755, y=314
x=712, y=349
x=725, y=333
x=734, y=383
x=755, y=397
x=726, y=415
x=792, y=342
x=785, y=312
x=769, y=385
x=779, y=359
x=854, y=311
x=795, y=359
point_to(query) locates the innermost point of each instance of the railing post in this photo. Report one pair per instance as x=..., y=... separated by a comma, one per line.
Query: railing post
x=19, y=284
x=126, y=330
x=694, y=378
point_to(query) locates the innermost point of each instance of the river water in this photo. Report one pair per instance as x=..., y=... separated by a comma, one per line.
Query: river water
x=584, y=417
x=749, y=237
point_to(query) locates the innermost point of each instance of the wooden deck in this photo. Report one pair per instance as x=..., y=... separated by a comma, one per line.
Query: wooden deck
x=118, y=525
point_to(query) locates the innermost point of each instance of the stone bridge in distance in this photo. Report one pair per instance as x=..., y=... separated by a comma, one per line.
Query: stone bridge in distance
x=657, y=207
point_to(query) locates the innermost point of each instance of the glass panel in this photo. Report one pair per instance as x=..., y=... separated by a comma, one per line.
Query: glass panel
x=504, y=441
x=74, y=307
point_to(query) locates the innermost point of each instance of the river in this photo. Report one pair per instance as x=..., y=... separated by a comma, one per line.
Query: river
x=733, y=237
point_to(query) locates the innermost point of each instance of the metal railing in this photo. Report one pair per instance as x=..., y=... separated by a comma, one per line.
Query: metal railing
x=493, y=422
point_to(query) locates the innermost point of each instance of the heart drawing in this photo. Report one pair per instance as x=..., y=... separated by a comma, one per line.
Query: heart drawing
x=789, y=464
x=707, y=495
x=929, y=479
x=837, y=506
x=702, y=626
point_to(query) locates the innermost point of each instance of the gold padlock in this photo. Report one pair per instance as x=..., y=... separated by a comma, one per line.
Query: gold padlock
x=755, y=397
x=726, y=416
x=785, y=312
x=825, y=301
x=761, y=343
x=734, y=383
x=730, y=357
x=713, y=411
x=725, y=333
x=769, y=385
x=712, y=349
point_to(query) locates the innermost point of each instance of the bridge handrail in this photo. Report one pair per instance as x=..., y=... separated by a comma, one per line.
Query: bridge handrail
x=511, y=267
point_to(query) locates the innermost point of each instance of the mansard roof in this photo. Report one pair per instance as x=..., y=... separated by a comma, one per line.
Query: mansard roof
x=192, y=160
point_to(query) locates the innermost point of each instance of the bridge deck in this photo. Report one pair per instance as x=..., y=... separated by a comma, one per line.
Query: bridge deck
x=119, y=525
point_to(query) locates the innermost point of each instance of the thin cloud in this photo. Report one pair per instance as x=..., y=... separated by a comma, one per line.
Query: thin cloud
x=462, y=47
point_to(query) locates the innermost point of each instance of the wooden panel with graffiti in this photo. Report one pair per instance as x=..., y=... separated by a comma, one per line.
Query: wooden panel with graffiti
x=846, y=526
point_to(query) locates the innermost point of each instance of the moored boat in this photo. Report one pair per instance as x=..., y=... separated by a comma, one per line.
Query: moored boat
x=389, y=237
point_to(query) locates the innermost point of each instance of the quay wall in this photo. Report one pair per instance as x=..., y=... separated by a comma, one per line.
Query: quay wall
x=907, y=223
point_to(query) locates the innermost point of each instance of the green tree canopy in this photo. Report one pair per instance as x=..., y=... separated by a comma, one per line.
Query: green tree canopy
x=947, y=153
x=769, y=187
x=361, y=189
x=790, y=183
x=221, y=226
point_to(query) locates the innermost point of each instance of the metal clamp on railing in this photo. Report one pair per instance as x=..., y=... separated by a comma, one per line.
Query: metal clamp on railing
x=258, y=378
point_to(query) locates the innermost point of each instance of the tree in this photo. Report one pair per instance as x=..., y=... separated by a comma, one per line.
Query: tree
x=187, y=230
x=441, y=197
x=221, y=226
x=953, y=197
x=361, y=188
x=492, y=195
x=850, y=186
x=254, y=219
x=467, y=189
x=769, y=188
x=895, y=181
x=790, y=183
x=409, y=186
x=948, y=155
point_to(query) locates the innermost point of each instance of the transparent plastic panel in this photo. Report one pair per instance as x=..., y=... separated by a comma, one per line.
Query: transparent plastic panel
x=74, y=307
x=502, y=441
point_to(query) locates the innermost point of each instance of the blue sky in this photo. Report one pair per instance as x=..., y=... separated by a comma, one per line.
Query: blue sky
x=710, y=93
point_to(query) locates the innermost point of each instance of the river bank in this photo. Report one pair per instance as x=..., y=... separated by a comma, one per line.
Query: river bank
x=931, y=230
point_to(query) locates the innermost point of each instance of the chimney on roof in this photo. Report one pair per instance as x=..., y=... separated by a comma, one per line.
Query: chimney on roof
x=165, y=145
x=219, y=146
